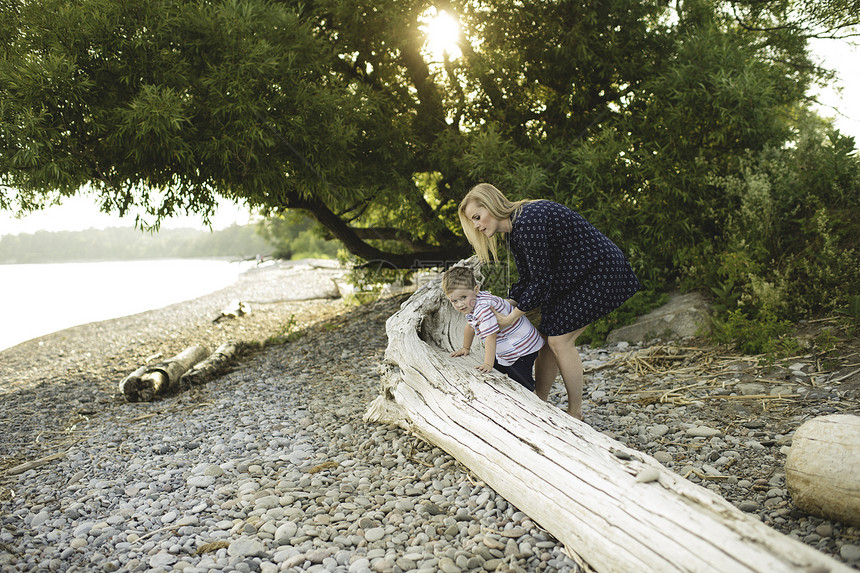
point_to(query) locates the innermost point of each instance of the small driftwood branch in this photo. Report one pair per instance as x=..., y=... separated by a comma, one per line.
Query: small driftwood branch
x=235, y=309
x=149, y=381
x=616, y=508
x=19, y=469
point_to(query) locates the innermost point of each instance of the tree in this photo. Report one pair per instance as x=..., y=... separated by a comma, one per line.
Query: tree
x=335, y=107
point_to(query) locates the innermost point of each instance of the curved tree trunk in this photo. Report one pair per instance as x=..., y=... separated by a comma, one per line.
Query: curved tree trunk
x=615, y=508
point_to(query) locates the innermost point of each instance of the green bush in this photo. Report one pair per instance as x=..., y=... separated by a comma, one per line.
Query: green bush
x=294, y=235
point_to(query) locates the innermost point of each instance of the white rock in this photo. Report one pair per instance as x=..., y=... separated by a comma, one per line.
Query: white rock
x=83, y=529
x=162, y=560
x=284, y=554
x=245, y=547
x=213, y=470
x=374, y=534
x=286, y=532
x=40, y=518
x=703, y=432
x=201, y=481
x=293, y=561
x=267, y=502
x=850, y=552
x=710, y=470
x=658, y=430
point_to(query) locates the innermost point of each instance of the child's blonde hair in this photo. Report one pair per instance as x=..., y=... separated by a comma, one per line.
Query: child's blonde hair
x=458, y=277
x=487, y=196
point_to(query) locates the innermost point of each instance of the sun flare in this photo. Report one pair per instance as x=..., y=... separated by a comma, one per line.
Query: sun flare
x=443, y=33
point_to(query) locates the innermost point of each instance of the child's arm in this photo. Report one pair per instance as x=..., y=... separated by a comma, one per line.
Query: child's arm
x=489, y=353
x=468, y=337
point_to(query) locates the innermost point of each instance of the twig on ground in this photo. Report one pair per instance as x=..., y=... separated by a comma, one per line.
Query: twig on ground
x=19, y=469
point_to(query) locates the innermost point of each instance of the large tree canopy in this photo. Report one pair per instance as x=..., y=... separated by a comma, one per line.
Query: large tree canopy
x=622, y=109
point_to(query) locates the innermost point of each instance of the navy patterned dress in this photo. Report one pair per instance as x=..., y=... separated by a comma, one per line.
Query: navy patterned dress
x=569, y=269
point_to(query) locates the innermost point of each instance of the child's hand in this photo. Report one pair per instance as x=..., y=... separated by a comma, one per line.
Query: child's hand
x=462, y=352
x=484, y=367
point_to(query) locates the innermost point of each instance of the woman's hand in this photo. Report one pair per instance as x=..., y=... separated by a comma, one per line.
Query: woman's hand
x=484, y=367
x=462, y=352
x=505, y=320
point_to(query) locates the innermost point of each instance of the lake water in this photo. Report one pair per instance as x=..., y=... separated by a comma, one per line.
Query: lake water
x=40, y=299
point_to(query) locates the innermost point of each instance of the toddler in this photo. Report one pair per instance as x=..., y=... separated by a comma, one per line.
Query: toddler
x=512, y=349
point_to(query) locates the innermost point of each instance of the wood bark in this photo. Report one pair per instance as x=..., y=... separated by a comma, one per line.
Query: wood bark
x=147, y=382
x=614, y=508
x=214, y=365
x=822, y=470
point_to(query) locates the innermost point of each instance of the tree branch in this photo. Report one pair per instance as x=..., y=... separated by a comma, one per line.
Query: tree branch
x=353, y=239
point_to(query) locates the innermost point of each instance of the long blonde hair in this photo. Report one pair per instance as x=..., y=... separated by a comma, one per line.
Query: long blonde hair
x=487, y=196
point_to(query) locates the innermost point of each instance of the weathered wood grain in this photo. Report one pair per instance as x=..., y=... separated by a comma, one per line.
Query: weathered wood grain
x=615, y=508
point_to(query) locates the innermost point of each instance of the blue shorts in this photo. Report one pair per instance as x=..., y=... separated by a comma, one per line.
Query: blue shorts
x=521, y=370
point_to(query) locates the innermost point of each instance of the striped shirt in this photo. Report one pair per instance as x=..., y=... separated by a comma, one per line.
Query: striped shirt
x=517, y=340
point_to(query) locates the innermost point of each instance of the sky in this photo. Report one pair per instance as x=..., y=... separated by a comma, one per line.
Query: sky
x=843, y=107
x=81, y=213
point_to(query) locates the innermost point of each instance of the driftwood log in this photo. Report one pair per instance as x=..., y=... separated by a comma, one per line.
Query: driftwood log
x=235, y=309
x=614, y=508
x=149, y=381
x=211, y=367
x=822, y=470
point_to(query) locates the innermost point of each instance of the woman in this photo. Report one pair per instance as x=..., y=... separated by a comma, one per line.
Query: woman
x=566, y=267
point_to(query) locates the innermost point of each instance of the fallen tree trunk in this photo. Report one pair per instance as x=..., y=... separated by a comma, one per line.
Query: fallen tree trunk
x=614, y=508
x=214, y=365
x=147, y=382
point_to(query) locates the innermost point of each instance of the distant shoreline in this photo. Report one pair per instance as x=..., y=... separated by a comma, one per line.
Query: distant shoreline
x=48, y=297
x=132, y=260
x=128, y=243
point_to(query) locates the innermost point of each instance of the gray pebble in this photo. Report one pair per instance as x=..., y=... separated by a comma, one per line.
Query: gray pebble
x=850, y=552
x=273, y=469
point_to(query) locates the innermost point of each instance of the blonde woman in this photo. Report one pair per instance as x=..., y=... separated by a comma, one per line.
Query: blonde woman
x=566, y=267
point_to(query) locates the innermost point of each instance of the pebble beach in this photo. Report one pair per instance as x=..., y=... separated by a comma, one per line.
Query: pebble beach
x=270, y=467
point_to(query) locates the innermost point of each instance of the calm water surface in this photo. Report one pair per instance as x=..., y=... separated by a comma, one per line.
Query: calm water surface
x=45, y=298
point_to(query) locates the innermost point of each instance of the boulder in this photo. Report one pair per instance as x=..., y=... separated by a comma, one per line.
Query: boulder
x=685, y=315
x=822, y=469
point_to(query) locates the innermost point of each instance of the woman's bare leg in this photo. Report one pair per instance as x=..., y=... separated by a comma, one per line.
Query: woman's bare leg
x=569, y=363
x=546, y=370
